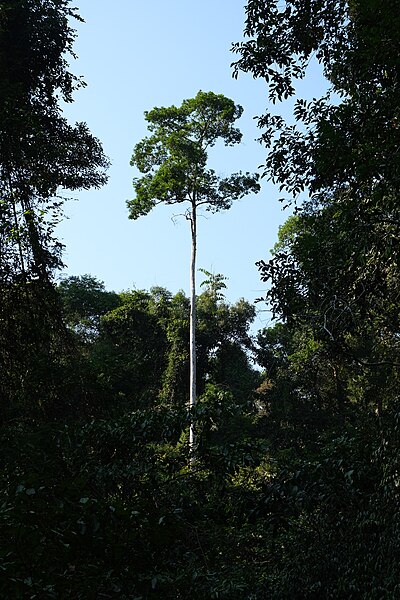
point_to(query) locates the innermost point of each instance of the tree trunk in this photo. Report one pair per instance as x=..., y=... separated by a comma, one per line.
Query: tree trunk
x=192, y=397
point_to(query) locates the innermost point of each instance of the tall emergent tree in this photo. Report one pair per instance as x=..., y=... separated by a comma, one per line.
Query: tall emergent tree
x=41, y=154
x=173, y=160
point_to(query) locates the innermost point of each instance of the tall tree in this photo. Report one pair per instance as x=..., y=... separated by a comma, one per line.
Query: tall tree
x=173, y=161
x=341, y=159
x=335, y=279
x=41, y=155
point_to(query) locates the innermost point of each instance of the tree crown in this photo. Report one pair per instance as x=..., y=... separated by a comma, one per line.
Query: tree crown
x=173, y=159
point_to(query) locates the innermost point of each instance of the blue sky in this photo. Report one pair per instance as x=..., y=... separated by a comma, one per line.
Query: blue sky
x=135, y=55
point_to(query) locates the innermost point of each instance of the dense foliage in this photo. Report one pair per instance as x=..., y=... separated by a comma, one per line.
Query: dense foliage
x=334, y=284
x=41, y=155
x=137, y=343
x=294, y=493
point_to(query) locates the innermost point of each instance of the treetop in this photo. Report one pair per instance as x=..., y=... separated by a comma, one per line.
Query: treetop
x=173, y=159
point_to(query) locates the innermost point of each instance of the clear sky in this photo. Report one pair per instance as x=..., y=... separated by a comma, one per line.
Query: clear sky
x=135, y=55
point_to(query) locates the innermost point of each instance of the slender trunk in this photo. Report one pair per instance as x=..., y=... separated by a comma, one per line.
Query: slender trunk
x=17, y=229
x=40, y=260
x=192, y=397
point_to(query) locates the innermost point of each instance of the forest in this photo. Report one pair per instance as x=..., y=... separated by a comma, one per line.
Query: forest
x=153, y=445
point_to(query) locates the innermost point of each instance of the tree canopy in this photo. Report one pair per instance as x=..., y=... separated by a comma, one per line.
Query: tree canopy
x=340, y=158
x=40, y=152
x=174, y=158
x=41, y=157
x=334, y=272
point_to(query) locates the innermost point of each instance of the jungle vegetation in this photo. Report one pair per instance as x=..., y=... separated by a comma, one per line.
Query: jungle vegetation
x=294, y=492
